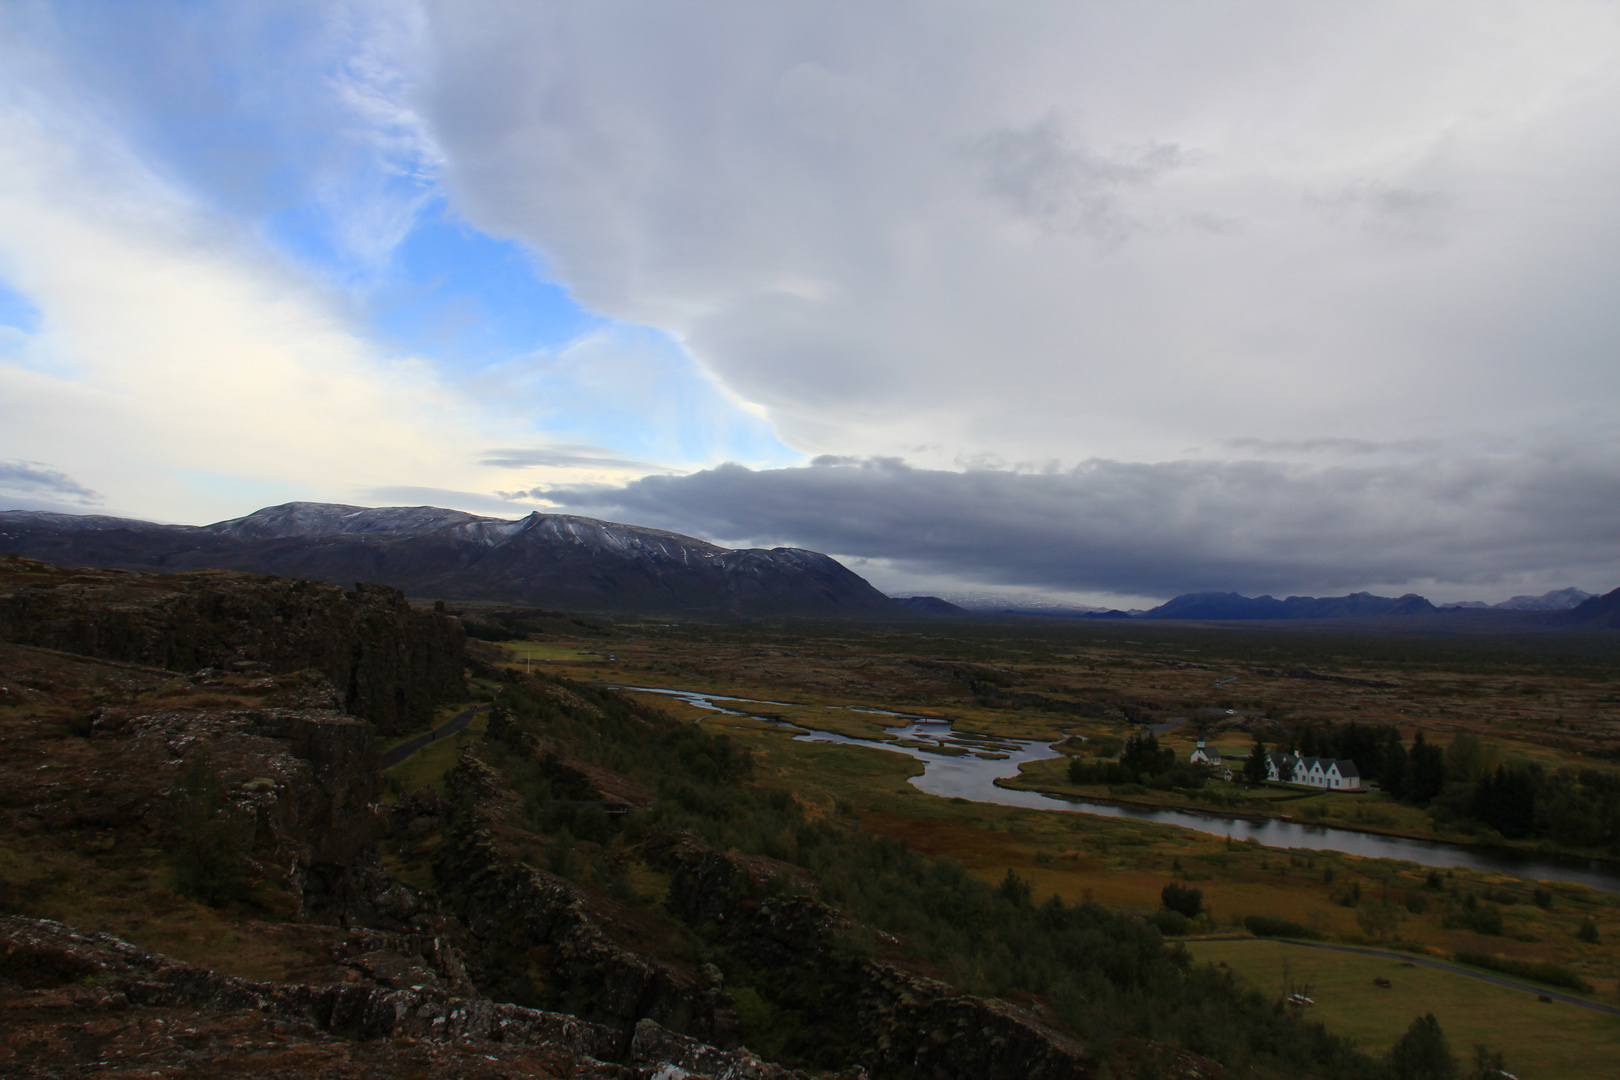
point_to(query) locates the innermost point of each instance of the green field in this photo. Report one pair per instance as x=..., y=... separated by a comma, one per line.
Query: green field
x=542, y=652
x=1541, y=1041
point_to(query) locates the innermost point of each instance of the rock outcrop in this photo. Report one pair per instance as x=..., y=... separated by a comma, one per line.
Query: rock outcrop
x=96, y=758
x=77, y=1003
x=390, y=664
x=511, y=907
x=905, y=1024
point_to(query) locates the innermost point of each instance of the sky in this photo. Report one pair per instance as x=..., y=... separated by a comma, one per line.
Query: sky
x=1103, y=302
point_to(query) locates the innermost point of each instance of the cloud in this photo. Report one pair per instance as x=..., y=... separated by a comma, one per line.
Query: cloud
x=1067, y=231
x=1332, y=446
x=567, y=457
x=1166, y=528
x=1041, y=174
x=176, y=359
x=1395, y=213
x=25, y=479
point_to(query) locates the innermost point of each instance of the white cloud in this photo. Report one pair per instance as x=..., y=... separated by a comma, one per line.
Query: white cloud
x=1065, y=231
x=170, y=345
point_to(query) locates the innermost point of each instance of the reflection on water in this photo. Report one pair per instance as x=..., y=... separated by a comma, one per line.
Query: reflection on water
x=968, y=766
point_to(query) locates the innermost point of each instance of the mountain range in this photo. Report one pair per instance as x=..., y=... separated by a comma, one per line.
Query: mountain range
x=1561, y=607
x=1556, y=600
x=583, y=564
x=545, y=560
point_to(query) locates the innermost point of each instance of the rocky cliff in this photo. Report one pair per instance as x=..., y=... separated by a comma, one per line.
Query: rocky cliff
x=902, y=1023
x=111, y=772
x=391, y=664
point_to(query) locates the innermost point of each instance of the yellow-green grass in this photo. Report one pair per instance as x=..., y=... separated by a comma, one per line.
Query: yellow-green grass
x=538, y=651
x=1545, y=1041
x=427, y=767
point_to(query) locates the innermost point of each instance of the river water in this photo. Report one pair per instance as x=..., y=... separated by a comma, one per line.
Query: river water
x=968, y=766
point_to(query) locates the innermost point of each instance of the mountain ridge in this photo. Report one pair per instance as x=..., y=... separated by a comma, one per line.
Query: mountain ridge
x=551, y=560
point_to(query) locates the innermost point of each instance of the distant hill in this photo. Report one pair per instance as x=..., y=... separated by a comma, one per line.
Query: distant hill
x=931, y=605
x=1597, y=612
x=1230, y=605
x=545, y=560
x=1557, y=600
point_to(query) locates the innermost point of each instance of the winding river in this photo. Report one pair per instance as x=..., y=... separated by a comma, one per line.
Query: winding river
x=967, y=767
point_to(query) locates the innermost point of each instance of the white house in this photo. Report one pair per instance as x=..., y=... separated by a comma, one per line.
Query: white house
x=1205, y=755
x=1334, y=774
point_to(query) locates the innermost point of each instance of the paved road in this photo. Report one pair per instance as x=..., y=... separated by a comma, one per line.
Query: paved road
x=449, y=727
x=1408, y=958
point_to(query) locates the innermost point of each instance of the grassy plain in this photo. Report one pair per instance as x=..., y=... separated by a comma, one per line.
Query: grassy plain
x=1533, y=700
x=1556, y=1041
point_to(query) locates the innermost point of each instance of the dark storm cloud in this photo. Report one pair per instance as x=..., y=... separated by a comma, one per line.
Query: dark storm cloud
x=1166, y=528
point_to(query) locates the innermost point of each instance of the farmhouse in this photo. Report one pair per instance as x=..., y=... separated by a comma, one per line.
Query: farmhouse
x=1205, y=755
x=1335, y=774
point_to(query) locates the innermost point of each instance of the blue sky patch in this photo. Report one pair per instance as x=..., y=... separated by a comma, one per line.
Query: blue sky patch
x=461, y=295
x=17, y=311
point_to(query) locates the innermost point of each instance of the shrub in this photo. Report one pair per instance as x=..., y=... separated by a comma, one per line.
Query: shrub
x=1423, y=1052
x=1179, y=898
x=1482, y=919
x=1104, y=746
x=1170, y=923
x=1588, y=932
x=1551, y=974
x=1276, y=926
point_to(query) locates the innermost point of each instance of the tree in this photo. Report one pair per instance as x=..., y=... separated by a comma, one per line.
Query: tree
x=1506, y=801
x=1392, y=763
x=1423, y=1052
x=1142, y=755
x=1254, y=770
x=1180, y=898
x=1426, y=771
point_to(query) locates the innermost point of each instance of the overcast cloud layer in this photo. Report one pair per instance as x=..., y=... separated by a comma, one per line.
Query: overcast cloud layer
x=1108, y=527
x=1061, y=231
x=1104, y=299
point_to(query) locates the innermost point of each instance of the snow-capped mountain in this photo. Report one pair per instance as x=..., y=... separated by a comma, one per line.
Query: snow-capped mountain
x=547, y=560
x=1557, y=600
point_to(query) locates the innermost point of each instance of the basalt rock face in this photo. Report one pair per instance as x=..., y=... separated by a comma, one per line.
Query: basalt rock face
x=95, y=761
x=545, y=560
x=509, y=906
x=390, y=664
x=78, y=1003
x=900, y=1023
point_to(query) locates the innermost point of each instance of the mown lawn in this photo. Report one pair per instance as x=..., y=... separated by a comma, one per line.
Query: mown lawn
x=1541, y=1041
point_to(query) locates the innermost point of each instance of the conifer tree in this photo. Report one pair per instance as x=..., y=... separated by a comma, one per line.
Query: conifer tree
x=1255, y=771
